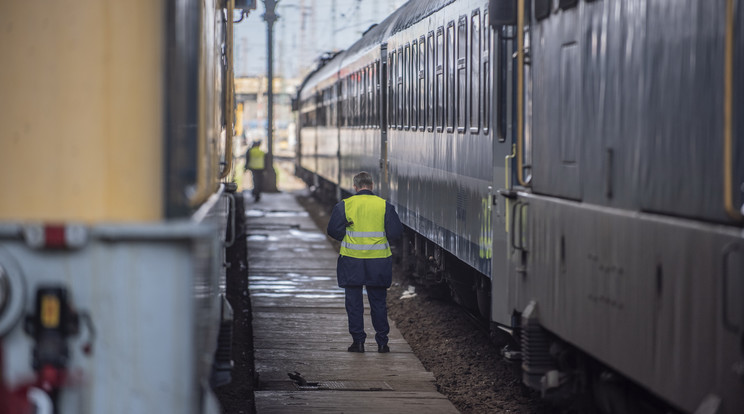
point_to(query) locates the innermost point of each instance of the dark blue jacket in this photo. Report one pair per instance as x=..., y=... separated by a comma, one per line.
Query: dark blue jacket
x=351, y=271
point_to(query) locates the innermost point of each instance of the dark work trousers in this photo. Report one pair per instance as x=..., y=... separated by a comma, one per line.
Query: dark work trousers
x=257, y=183
x=378, y=311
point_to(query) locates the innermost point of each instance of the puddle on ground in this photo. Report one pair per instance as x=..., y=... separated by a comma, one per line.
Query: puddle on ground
x=286, y=213
x=260, y=237
x=288, y=278
x=329, y=296
x=271, y=295
x=275, y=213
x=293, y=285
x=255, y=213
x=307, y=235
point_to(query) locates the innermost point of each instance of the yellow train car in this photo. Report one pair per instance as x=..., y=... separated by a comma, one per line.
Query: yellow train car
x=116, y=125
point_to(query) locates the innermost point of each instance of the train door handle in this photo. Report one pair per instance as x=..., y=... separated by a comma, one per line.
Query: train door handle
x=511, y=225
x=517, y=242
x=232, y=212
x=729, y=322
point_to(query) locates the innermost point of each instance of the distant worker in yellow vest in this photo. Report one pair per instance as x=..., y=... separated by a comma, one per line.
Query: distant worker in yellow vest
x=364, y=224
x=254, y=161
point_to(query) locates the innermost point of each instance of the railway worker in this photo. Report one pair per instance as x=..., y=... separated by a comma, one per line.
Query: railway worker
x=364, y=223
x=254, y=161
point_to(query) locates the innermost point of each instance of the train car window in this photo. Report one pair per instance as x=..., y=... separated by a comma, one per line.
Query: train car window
x=375, y=94
x=360, y=94
x=315, y=109
x=567, y=4
x=337, y=104
x=380, y=82
x=324, y=107
x=327, y=107
x=350, y=100
x=341, y=101
x=347, y=101
x=430, y=96
x=422, y=83
x=347, y=104
x=399, y=95
x=321, y=108
x=439, y=91
x=414, y=83
x=462, y=80
x=406, y=86
x=450, y=69
x=542, y=8
x=391, y=90
x=486, y=76
x=475, y=58
x=367, y=96
x=354, y=99
x=371, y=95
x=362, y=97
x=318, y=108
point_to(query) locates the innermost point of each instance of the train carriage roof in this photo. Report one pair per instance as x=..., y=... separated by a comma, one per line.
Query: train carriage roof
x=403, y=18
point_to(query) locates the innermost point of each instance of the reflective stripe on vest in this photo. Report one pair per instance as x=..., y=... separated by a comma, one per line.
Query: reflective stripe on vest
x=365, y=238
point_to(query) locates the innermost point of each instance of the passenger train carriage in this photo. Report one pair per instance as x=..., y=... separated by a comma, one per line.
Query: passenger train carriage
x=115, y=139
x=572, y=169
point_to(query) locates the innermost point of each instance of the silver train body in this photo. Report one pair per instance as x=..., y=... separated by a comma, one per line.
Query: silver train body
x=573, y=171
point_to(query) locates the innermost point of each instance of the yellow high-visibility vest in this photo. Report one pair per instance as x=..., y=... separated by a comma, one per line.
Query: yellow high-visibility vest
x=255, y=159
x=365, y=237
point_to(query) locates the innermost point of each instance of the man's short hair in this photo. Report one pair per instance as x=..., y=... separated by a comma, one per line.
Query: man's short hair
x=363, y=180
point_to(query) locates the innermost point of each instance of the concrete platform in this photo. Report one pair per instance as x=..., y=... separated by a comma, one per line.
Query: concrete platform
x=299, y=325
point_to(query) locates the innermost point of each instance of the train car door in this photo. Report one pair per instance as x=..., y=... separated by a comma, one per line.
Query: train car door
x=382, y=88
x=496, y=49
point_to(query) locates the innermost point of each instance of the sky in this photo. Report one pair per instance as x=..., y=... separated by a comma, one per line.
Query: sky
x=305, y=30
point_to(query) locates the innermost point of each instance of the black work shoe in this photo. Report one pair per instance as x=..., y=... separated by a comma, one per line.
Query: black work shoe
x=383, y=349
x=356, y=347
